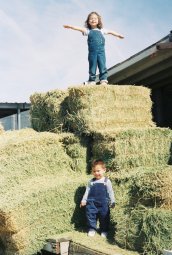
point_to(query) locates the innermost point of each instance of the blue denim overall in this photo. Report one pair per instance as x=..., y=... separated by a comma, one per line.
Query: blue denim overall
x=97, y=207
x=96, y=55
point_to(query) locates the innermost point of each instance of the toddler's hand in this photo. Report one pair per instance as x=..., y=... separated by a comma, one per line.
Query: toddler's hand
x=112, y=205
x=83, y=203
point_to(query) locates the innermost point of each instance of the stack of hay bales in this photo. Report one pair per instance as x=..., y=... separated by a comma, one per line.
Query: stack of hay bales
x=111, y=122
x=38, y=190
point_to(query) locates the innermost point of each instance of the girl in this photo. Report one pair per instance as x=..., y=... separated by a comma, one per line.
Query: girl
x=96, y=46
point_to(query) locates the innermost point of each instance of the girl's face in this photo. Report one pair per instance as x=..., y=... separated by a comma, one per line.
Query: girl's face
x=93, y=20
x=98, y=171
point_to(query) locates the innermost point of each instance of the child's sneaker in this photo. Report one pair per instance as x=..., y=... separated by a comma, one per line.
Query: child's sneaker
x=104, y=82
x=91, y=232
x=89, y=83
x=104, y=234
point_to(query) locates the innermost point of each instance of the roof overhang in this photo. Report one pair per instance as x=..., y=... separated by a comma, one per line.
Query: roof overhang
x=7, y=109
x=151, y=67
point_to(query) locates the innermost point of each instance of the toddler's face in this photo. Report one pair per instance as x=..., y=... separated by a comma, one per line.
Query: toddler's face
x=93, y=21
x=98, y=171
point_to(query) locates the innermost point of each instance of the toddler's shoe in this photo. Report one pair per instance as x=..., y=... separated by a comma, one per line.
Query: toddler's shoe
x=91, y=232
x=104, y=234
x=104, y=82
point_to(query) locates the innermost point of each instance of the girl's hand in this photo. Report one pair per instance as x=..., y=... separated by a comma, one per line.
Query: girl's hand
x=121, y=36
x=66, y=26
x=83, y=203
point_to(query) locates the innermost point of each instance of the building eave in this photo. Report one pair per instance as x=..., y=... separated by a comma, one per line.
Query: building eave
x=148, y=67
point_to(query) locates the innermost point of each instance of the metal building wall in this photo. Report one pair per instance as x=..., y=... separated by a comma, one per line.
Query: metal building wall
x=11, y=122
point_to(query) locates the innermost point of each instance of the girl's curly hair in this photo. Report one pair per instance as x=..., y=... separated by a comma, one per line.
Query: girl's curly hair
x=100, y=25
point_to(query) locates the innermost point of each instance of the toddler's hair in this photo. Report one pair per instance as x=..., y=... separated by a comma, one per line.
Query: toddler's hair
x=98, y=162
x=99, y=25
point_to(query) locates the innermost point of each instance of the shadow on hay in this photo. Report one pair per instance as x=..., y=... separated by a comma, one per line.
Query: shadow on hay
x=78, y=217
x=170, y=159
x=112, y=232
x=2, y=248
x=86, y=142
x=6, y=241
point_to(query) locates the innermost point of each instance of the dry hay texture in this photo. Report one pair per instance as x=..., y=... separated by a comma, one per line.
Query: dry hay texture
x=142, y=219
x=147, y=230
x=128, y=148
x=94, y=108
x=78, y=148
x=41, y=187
x=48, y=110
x=152, y=189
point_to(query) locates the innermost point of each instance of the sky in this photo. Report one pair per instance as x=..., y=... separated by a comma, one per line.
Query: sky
x=38, y=55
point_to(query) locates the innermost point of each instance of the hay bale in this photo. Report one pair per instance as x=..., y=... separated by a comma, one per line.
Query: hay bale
x=39, y=118
x=38, y=208
x=128, y=148
x=48, y=110
x=27, y=153
x=93, y=108
x=153, y=189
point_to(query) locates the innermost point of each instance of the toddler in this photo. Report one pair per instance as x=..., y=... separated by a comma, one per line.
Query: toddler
x=98, y=197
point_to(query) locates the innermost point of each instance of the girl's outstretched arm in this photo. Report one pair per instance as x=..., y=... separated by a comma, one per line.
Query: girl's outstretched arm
x=80, y=29
x=115, y=34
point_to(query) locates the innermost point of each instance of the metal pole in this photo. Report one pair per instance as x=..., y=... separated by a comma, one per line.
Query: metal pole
x=13, y=120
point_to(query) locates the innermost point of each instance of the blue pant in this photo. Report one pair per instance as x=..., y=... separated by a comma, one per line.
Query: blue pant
x=97, y=58
x=94, y=211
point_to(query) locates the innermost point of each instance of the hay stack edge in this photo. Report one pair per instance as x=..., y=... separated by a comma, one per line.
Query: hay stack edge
x=1, y=128
x=44, y=170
